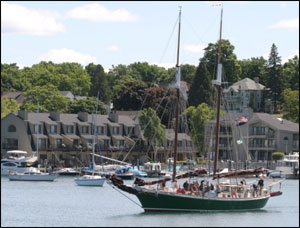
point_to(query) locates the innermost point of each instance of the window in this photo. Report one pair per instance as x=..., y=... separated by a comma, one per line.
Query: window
x=12, y=128
x=85, y=129
x=10, y=143
x=100, y=130
x=37, y=129
x=57, y=143
x=116, y=130
x=120, y=143
x=69, y=129
x=130, y=130
x=53, y=129
x=42, y=144
x=106, y=142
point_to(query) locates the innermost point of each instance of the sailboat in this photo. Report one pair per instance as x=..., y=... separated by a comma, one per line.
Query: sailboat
x=92, y=179
x=222, y=196
x=32, y=173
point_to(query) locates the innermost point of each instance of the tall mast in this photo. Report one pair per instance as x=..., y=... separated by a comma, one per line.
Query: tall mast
x=94, y=136
x=177, y=95
x=218, y=83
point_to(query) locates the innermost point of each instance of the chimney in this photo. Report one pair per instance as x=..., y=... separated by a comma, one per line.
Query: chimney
x=256, y=79
x=23, y=114
x=113, y=116
x=83, y=116
x=55, y=115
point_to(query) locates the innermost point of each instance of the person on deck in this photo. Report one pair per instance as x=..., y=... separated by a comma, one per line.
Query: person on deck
x=260, y=185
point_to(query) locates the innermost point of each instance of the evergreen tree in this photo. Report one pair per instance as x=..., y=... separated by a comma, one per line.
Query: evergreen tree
x=273, y=76
x=201, y=88
x=99, y=82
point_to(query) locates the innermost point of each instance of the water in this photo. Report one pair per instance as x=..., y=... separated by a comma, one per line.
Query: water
x=63, y=204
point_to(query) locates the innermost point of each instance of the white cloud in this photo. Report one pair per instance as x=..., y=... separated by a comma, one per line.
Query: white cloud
x=291, y=24
x=113, y=48
x=97, y=12
x=293, y=53
x=194, y=48
x=67, y=55
x=16, y=19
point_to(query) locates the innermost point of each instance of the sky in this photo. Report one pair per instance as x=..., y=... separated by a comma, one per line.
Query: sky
x=123, y=32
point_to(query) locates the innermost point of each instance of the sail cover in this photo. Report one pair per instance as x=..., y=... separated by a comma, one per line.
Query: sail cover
x=241, y=173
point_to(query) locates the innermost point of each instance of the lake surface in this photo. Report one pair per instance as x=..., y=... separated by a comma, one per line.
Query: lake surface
x=63, y=204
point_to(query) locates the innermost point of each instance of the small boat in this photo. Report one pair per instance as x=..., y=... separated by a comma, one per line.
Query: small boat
x=67, y=172
x=276, y=193
x=287, y=168
x=90, y=180
x=125, y=173
x=32, y=174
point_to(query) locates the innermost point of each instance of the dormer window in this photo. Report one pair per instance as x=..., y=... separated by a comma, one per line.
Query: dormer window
x=69, y=129
x=85, y=130
x=116, y=130
x=53, y=129
x=37, y=129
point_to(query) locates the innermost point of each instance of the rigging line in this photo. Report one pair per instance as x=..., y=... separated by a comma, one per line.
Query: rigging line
x=164, y=52
x=123, y=194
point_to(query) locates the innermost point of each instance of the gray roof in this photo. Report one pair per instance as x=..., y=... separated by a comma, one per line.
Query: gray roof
x=170, y=133
x=127, y=121
x=34, y=118
x=245, y=84
x=278, y=123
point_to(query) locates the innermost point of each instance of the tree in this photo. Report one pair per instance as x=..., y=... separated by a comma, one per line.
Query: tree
x=8, y=106
x=152, y=128
x=130, y=96
x=231, y=67
x=48, y=98
x=99, y=82
x=277, y=156
x=197, y=116
x=163, y=100
x=201, y=89
x=11, y=78
x=87, y=105
x=291, y=73
x=290, y=106
x=254, y=67
x=274, y=76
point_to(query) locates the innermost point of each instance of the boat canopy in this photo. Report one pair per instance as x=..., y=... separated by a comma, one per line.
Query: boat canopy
x=16, y=152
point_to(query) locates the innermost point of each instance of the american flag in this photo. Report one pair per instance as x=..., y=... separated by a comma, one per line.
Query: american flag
x=242, y=120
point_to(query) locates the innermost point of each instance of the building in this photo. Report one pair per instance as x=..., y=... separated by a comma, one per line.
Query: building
x=68, y=138
x=255, y=140
x=244, y=94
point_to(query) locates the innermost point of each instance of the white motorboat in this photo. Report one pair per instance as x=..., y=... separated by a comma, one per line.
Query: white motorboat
x=287, y=168
x=67, y=172
x=90, y=180
x=31, y=174
x=17, y=162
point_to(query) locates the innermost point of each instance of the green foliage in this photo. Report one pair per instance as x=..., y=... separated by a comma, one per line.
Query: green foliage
x=8, y=106
x=48, y=97
x=130, y=96
x=231, y=67
x=87, y=105
x=290, y=105
x=154, y=131
x=99, y=82
x=291, y=73
x=197, y=116
x=163, y=100
x=254, y=67
x=274, y=79
x=277, y=156
x=12, y=79
x=201, y=90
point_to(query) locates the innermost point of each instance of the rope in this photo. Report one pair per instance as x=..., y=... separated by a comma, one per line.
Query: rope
x=124, y=194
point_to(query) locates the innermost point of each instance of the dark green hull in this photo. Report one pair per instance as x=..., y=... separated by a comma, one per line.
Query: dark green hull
x=152, y=201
